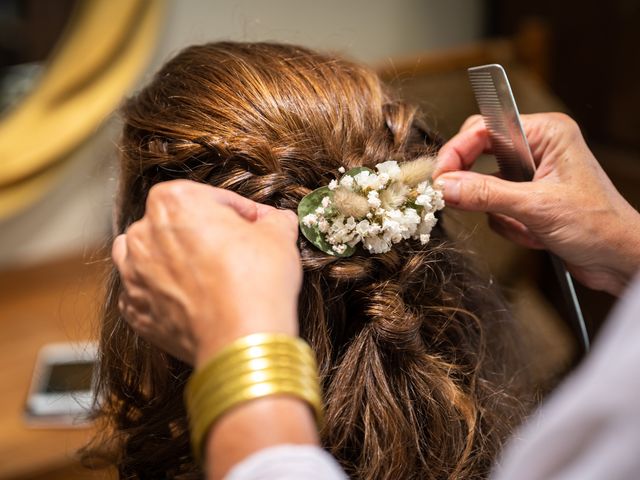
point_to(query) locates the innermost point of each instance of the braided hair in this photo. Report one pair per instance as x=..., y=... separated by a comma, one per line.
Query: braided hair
x=415, y=351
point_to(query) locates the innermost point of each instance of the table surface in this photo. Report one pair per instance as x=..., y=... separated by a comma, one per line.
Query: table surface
x=57, y=302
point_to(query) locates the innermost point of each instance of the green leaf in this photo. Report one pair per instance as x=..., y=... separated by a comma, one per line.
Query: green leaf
x=308, y=205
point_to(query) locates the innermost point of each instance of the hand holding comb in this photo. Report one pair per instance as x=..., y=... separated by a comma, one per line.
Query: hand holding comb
x=511, y=149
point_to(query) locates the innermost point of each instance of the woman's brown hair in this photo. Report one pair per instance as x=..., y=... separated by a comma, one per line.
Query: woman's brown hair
x=414, y=349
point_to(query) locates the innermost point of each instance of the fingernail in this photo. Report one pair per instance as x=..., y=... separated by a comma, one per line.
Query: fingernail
x=450, y=188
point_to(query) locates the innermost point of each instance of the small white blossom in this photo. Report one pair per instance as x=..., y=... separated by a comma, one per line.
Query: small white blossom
x=333, y=184
x=310, y=220
x=363, y=179
x=347, y=182
x=376, y=245
x=340, y=248
x=424, y=238
x=319, y=211
x=325, y=202
x=373, y=199
x=323, y=225
x=429, y=220
x=438, y=200
x=424, y=200
x=341, y=170
x=389, y=168
x=383, y=179
x=363, y=227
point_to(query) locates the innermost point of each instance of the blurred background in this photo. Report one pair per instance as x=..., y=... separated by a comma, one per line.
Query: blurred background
x=66, y=65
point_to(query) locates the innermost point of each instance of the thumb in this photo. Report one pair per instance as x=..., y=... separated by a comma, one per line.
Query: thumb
x=486, y=193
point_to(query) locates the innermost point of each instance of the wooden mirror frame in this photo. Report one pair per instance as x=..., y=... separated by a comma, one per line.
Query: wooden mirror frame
x=104, y=48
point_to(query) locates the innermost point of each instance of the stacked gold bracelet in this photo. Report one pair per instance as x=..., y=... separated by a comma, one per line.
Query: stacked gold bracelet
x=251, y=367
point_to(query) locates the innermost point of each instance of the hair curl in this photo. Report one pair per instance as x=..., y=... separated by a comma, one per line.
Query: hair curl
x=415, y=355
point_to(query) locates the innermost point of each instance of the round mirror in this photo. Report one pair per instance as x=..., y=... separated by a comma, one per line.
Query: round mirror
x=65, y=66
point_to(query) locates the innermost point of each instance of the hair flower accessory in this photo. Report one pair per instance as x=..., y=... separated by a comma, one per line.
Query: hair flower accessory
x=378, y=208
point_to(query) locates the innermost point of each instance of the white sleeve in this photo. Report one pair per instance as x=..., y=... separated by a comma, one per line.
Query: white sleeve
x=590, y=428
x=288, y=462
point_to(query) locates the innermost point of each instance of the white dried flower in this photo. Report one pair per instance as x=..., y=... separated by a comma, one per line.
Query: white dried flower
x=389, y=168
x=341, y=170
x=378, y=209
x=310, y=220
x=424, y=200
x=376, y=244
x=438, y=200
x=347, y=182
x=323, y=225
x=340, y=248
x=364, y=179
x=373, y=199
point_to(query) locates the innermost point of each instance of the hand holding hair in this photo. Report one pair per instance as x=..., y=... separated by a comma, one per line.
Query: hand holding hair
x=166, y=259
x=172, y=299
x=570, y=208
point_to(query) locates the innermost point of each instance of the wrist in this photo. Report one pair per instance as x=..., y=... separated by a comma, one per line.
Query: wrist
x=235, y=325
x=622, y=259
x=251, y=368
x=256, y=425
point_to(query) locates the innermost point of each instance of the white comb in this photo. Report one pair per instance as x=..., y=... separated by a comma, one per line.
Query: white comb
x=511, y=149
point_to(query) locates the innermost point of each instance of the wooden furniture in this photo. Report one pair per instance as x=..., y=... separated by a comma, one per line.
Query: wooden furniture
x=57, y=302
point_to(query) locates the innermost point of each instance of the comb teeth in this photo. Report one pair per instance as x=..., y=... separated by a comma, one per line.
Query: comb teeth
x=496, y=117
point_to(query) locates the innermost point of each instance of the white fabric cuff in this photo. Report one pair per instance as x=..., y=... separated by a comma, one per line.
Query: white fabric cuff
x=288, y=462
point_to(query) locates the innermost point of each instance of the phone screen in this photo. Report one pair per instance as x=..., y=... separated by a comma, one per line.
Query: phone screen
x=67, y=377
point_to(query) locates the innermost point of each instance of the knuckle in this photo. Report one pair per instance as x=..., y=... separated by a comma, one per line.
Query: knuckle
x=134, y=233
x=471, y=121
x=158, y=191
x=565, y=122
x=166, y=191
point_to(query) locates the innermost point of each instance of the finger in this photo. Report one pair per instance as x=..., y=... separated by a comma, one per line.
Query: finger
x=136, y=296
x=144, y=325
x=140, y=319
x=514, y=230
x=119, y=250
x=179, y=194
x=264, y=210
x=284, y=221
x=463, y=149
x=486, y=193
x=246, y=208
x=472, y=122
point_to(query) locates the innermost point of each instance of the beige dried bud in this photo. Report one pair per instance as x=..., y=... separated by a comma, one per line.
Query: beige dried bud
x=394, y=195
x=417, y=171
x=349, y=203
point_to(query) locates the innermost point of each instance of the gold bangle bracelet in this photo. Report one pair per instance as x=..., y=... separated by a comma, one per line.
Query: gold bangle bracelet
x=251, y=367
x=256, y=345
x=213, y=410
x=217, y=388
x=250, y=361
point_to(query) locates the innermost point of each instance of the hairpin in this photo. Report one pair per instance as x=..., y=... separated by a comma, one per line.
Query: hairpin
x=377, y=208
